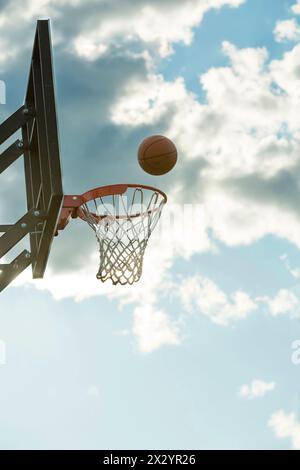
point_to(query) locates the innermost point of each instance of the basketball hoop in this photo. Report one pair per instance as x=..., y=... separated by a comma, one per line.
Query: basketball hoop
x=123, y=218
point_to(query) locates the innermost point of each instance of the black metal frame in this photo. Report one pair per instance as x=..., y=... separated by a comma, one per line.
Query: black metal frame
x=40, y=146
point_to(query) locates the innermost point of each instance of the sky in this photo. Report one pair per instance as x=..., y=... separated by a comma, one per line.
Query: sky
x=203, y=352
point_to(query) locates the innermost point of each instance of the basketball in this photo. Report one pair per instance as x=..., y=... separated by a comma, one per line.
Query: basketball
x=157, y=155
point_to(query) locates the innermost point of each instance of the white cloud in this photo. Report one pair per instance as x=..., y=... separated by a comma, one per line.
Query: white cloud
x=284, y=303
x=285, y=74
x=156, y=24
x=285, y=426
x=143, y=103
x=203, y=296
x=87, y=49
x=93, y=28
x=296, y=8
x=153, y=329
x=287, y=30
x=256, y=389
x=246, y=140
x=295, y=272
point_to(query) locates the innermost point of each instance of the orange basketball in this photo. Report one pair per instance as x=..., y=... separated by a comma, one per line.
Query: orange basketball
x=157, y=155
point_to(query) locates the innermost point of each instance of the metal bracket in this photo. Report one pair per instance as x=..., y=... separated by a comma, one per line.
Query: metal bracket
x=11, y=154
x=14, y=123
x=8, y=272
x=69, y=210
x=19, y=230
x=12, y=234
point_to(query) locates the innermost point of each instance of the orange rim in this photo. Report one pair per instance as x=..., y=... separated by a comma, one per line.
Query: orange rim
x=117, y=189
x=114, y=190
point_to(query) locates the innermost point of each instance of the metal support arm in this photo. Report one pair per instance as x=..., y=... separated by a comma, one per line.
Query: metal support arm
x=10, y=155
x=12, y=234
x=13, y=123
x=19, y=230
x=8, y=272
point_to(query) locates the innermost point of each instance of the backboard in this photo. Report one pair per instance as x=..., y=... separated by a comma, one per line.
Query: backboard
x=41, y=149
x=36, y=119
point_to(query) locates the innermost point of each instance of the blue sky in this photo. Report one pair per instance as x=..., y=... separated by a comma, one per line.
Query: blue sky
x=199, y=353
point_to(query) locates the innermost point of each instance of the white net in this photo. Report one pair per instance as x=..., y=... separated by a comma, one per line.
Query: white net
x=123, y=224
